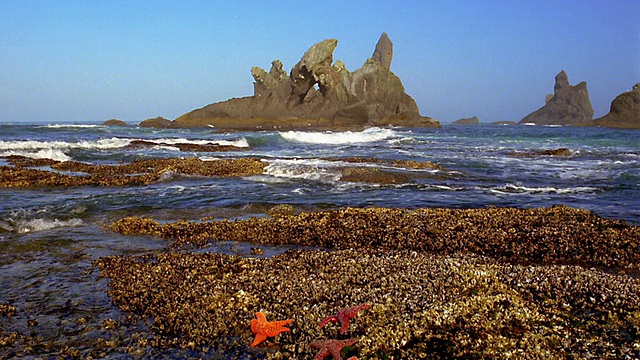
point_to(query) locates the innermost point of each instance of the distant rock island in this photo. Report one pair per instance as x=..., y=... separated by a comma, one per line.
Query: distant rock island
x=467, y=121
x=114, y=122
x=318, y=94
x=624, y=111
x=569, y=105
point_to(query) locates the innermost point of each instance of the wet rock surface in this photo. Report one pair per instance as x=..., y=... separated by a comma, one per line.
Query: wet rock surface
x=29, y=173
x=140, y=172
x=423, y=305
x=544, y=235
x=550, y=152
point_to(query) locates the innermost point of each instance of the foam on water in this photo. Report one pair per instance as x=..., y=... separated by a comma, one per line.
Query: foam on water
x=312, y=169
x=62, y=126
x=55, y=149
x=54, y=154
x=339, y=138
x=510, y=189
x=34, y=225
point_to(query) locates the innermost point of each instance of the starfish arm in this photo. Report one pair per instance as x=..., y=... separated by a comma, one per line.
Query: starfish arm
x=275, y=331
x=283, y=322
x=323, y=353
x=261, y=317
x=335, y=352
x=259, y=338
x=327, y=320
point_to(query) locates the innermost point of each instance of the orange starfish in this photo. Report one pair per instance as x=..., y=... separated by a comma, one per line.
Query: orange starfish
x=263, y=328
x=344, y=316
x=331, y=347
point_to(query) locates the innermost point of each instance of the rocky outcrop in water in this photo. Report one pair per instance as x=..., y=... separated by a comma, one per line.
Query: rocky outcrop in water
x=114, y=122
x=158, y=122
x=569, y=105
x=467, y=121
x=624, y=111
x=317, y=94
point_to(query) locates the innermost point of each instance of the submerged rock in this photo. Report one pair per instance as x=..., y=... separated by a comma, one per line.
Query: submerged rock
x=624, y=111
x=569, y=105
x=318, y=94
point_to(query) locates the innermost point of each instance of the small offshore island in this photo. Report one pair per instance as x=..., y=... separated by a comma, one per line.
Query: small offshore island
x=318, y=94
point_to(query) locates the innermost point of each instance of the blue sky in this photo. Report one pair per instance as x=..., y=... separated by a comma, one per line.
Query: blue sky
x=132, y=60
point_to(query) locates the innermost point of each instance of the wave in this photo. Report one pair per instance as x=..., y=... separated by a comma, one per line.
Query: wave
x=313, y=169
x=56, y=149
x=339, y=138
x=518, y=189
x=62, y=126
x=34, y=225
x=53, y=154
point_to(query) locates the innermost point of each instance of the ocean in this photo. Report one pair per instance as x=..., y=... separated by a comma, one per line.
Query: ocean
x=49, y=237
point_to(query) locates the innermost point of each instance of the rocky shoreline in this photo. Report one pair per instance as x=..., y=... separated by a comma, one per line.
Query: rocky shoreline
x=486, y=283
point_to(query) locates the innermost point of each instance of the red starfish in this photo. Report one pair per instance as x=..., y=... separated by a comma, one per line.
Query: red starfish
x=344, y=316
x=263, y=328
x=331, y=347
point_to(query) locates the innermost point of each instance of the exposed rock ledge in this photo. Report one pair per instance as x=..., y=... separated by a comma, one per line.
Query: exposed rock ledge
x=317, y=94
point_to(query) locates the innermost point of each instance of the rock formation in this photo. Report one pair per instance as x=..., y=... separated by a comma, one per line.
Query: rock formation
x=114, y=122
x=384, y=51
x=158, y=122
x=317, y=94
x=467, y=121
x=624, y=111
x=569, y=105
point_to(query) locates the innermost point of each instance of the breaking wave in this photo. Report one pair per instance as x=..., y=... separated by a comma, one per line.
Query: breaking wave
x=56, y=149
x=339, y=138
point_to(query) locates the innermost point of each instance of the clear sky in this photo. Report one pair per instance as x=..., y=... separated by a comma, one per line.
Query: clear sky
x=132, y=60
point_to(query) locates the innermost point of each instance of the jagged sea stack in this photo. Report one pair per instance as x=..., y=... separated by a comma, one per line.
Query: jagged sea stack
x=569, y=105
x=624, y=111
x=318, y=94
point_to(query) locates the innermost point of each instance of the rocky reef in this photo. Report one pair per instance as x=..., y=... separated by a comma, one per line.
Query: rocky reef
x=442, y=283
x=32, y=173
x=569, y=105
x=624, y=111
x=318, y=94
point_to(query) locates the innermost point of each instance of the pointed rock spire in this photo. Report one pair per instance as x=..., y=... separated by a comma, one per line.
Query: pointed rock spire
x=562, y=81
x=384, y=51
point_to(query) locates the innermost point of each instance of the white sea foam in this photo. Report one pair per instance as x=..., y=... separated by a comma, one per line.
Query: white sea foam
x=54, y=154
x=338, y=138
x=518, y=189
x=34, y=225
x=529, y=124
x=79, y=126
x=311, y=169
x=56, y=149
